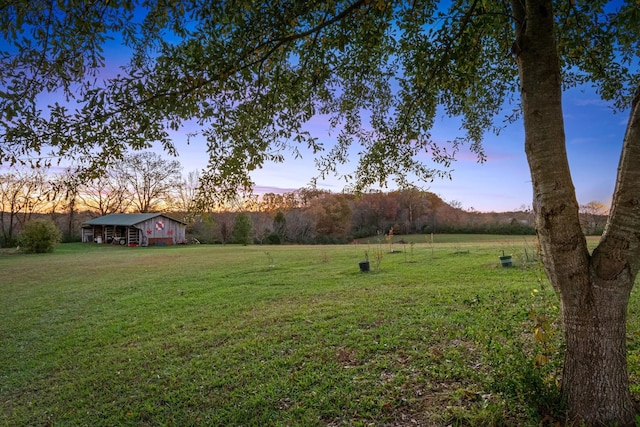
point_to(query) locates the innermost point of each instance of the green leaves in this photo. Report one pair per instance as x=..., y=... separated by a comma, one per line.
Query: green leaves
x=254, y=75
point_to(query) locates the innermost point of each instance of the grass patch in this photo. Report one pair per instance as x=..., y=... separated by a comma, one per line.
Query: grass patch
x=213, y=335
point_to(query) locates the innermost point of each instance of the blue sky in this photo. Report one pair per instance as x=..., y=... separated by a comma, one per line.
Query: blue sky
x=594, y=137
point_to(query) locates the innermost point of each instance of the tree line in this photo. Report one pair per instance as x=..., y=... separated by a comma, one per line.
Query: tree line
x=311, y=216
x=146, y=182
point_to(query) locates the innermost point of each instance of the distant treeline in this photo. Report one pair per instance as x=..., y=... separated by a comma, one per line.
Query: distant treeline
x=320, y=217
x=510, y=228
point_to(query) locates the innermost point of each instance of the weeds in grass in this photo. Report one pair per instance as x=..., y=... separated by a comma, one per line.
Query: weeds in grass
x=547, y=349
x=544, y=332
x=459, y=251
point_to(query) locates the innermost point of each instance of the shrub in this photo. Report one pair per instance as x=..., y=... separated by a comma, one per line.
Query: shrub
x=273, y=239
x=39, y=236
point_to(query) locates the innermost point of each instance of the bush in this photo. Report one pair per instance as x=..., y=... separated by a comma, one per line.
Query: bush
x=39, y=236
x=274, y=239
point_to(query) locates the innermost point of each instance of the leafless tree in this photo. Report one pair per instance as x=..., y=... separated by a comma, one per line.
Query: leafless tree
x=105, y=194
x=22, y=193
x=149, y=179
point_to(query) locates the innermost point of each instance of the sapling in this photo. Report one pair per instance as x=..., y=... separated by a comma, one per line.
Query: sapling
x=389, y=238
x=270, y=262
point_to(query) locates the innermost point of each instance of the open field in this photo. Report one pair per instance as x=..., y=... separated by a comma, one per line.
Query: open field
x=435, y=334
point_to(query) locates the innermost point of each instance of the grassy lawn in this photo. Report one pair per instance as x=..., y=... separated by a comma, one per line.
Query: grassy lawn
x=435, y=334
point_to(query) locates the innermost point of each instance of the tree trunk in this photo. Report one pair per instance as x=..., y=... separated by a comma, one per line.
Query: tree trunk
x=595, y=382
x=594, y=289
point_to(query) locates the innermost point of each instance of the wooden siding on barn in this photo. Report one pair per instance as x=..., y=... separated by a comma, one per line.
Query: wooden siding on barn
x=162, y=229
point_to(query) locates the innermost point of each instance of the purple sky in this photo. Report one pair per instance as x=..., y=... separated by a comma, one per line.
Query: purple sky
x=594, y=138
x=593, y=132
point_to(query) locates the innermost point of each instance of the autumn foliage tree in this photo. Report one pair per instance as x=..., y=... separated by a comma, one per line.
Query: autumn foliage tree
x=332, y=217
x=253, y=74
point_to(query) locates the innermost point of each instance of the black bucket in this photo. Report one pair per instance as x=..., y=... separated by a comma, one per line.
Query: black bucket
x=506, y=261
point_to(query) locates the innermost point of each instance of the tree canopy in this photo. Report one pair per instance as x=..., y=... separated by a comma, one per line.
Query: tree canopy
x=252, y=76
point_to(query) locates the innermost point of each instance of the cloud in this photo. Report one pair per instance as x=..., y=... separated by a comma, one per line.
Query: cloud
x=263, y=189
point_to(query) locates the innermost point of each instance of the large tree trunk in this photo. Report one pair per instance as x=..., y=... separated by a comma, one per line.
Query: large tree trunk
x=595, y=380
x=594, y=289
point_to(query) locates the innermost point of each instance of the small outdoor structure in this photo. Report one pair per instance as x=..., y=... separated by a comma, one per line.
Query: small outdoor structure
x=145, y=229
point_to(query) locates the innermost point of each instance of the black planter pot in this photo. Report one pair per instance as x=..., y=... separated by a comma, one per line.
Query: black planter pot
x=506, y=260
x=364, y=266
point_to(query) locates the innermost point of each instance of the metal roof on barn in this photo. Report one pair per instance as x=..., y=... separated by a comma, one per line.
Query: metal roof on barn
x=126, y=219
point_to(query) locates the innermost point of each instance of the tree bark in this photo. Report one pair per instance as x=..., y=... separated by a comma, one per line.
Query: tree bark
x=595, y=382
x=594, y=289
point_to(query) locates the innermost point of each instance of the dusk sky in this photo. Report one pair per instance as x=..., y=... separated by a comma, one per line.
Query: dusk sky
x=594, y=137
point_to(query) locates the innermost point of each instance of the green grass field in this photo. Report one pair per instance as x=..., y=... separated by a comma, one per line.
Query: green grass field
x=435, y=334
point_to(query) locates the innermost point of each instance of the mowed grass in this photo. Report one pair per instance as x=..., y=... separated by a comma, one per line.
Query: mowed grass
x=435, y=334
